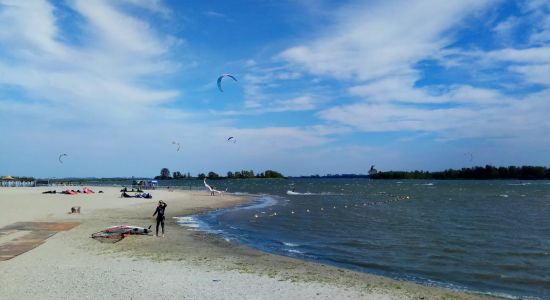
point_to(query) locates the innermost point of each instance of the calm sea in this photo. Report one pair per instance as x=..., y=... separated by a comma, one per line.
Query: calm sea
x=484, y=236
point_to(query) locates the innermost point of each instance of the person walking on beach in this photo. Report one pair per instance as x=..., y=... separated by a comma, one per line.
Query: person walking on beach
x=160, y=216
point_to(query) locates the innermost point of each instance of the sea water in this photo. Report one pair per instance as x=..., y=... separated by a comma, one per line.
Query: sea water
x=490, y=237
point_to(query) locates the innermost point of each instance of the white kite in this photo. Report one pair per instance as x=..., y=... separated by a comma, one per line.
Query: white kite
x=211, y=189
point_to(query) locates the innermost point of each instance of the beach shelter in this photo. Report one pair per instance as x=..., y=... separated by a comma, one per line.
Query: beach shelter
x=7, y=178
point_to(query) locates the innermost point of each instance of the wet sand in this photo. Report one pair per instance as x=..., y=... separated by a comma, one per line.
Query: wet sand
x=184, y=264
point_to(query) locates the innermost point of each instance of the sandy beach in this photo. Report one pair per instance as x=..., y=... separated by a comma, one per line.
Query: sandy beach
x=186, y=264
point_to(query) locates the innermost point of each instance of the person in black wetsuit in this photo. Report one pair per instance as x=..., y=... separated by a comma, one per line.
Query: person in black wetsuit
x=160, y=216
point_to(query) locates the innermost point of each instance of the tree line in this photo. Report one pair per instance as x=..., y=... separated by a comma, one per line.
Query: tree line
x=243, y=174
x=487, y=172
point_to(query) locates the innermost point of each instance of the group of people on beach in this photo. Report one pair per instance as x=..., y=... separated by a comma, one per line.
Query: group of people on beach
x=72, y=192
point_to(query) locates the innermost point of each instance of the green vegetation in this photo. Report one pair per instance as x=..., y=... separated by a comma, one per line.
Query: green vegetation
x=250, y=174
x=243, y=174
x=487, y=172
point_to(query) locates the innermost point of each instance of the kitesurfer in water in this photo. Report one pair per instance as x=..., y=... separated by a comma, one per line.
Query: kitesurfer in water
x=160, y=216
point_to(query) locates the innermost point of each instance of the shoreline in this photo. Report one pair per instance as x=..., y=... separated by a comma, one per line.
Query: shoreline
x=218, y=239
x=352, y=278
x=200, y=264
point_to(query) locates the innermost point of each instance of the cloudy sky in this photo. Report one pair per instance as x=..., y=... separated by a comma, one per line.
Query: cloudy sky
x=323, y=86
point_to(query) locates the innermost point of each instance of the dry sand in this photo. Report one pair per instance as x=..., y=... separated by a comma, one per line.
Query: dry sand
x=184, y=265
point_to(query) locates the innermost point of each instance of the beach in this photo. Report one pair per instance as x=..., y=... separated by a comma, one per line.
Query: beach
x=186, y=264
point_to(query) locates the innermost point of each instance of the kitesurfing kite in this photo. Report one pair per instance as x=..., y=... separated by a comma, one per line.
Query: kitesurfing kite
x=211, y=189
x=220, y=80
x=372, y=170
x=176, y=143
x=60, y=156
x=116, y=233
x=231, y=139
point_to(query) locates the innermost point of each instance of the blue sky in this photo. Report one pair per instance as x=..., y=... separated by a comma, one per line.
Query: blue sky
x=323, y=86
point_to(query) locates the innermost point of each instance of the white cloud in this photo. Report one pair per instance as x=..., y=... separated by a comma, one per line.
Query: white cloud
x=301, y=103
x=375, y=49
x=29, y=24
x=400, y=89
x=215, y=14
x=152, y=5
x=529, y=55
x=535, y=73
x=119, y=32
x=102, y=77
x=522, y=119
x=369, y=43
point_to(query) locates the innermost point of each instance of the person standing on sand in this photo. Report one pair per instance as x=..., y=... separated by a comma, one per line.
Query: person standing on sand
x=160, y=216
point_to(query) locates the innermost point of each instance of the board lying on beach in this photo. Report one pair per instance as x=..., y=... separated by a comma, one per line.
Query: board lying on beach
x=117, y=233
x=20, y=237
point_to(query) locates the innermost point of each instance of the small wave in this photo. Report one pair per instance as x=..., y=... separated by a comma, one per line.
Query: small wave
x=262, y=202
x=190, y=222
x=294, y=251
x=240, y=194
x=290, y=244
x=312, y=194
x=503, y=195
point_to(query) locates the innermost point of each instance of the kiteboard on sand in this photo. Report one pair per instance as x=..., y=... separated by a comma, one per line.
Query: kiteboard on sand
x=116, y=233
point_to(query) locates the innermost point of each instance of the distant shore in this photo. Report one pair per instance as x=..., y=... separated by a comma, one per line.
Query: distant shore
x=185, y=263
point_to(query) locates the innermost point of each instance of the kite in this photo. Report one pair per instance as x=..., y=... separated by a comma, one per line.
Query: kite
x=211, y=189
x=176, y=143
x=60, y=156
x=220, y=80
x=372, y=170
x=231, y=139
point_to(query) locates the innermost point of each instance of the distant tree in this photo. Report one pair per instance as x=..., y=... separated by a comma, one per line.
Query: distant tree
x=164, y=174
x=230, y=175
x=273, y=174
x=487, y=172
x=213, y=175
x=177, y=175
x=201, y=176
x=188, y=175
